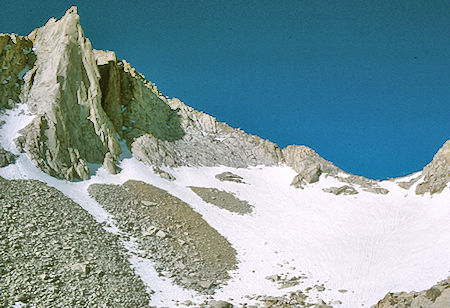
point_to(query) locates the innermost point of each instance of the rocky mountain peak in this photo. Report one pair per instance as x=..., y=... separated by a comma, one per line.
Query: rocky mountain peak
x=70, y=128
x=86, y=102
x=436, y=174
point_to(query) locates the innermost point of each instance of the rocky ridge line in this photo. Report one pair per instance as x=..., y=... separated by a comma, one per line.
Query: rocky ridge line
x=83, y=111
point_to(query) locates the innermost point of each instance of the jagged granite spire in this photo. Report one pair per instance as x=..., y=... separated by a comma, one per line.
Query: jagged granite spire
x=63, y=90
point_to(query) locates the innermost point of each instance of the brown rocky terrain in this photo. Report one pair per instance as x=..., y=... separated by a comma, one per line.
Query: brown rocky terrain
x=183, y=245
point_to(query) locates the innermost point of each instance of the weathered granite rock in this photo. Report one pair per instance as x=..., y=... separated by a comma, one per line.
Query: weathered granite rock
x=164, y=174
x=229, y=177
x=109, y=164
x=6, y=158
x=219, y=304
x=16, y=58
x=206, y=142
x=308, y=164
x=436, y=175
x=343, y=190
x=377, y=190
x=407, y=184
x=437, y=296
x=63, y=90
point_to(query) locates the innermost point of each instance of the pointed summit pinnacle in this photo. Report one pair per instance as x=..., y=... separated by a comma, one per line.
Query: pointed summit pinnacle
x=72, y=10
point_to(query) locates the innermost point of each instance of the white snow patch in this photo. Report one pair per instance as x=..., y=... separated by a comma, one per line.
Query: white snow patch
x=15, y=120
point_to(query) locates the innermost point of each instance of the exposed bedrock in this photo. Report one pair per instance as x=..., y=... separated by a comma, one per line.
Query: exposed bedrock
x=70, y=128
x=16, y=58
x=438, y=296
x=308, y=164
x=436, y=175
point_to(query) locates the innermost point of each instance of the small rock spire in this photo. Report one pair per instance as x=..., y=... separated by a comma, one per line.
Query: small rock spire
x=72, y=10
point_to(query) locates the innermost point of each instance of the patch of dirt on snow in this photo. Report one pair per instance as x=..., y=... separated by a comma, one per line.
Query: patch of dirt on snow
x=223, y=199
x=182, y=244
x=54, y=254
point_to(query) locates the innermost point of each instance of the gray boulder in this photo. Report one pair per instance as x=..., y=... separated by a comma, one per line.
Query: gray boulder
x=219, y=304
x=343, y=190
x=229, y=177
x=6, y=158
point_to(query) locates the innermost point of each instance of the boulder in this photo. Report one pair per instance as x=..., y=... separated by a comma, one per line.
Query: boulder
x=6, y=158
x=343, y=190
x=308, y=164
x=219, y=304
x=229, y=177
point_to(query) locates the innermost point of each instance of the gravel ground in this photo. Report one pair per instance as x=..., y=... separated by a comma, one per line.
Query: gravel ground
x=54, y=254
x=223, y=199
x=182, y=244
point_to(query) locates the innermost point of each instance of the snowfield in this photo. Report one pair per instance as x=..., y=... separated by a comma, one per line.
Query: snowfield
x=366, y=244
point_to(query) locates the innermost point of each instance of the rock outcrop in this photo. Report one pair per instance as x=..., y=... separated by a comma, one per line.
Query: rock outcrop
x=206, y=142
x=437, y=296
x=6, y=158
x=436, y=175
x=343, y=190
x=16, y=58
x=308, y=164
x=63, y=90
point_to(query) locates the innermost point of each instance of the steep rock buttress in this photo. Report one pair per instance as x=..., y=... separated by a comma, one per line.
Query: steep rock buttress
x=63, y=90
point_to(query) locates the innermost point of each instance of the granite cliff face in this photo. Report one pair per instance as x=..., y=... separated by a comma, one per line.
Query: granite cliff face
x=87, y=101
x=16, y=58
x=436, y=174
x=70, y=128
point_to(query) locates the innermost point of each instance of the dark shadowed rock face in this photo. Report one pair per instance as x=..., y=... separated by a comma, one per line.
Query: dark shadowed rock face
x=16, y=58
x=6, y=158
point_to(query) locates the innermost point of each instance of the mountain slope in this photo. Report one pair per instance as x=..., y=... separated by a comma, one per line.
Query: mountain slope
x=206, y=211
